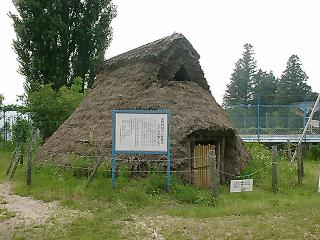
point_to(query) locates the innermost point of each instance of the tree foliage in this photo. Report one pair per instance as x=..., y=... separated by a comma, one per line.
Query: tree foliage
x=247, y=85
x=21, y=130
x=49, y=109
x=58, y=40
x=235, y=93
x=292, y=86
x=240, y=89
x=265, y=87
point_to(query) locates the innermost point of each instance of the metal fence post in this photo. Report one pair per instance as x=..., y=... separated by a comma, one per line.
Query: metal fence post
x=305, y=116
x=258, y=119
x=274, y=170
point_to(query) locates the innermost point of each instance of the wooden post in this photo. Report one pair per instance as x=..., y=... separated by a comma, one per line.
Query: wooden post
x=222, y=176
x=213, y=168
x=12, y=160
x=191, y=150
x=21, y=154
x=29, y=171
x=274, y=170
x=299, y=164
x=218, y=158
x=289, y=150
x=15, y=164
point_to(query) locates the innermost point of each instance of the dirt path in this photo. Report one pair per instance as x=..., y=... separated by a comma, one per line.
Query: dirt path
x=27, y=211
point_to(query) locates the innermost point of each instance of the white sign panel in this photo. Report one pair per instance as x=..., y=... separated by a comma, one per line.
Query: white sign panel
x=315, y=123
x=319, y=185
x=141, y=132
x=244, y=185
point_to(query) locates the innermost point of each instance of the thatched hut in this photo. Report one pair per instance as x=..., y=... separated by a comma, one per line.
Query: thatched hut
x=164, y=74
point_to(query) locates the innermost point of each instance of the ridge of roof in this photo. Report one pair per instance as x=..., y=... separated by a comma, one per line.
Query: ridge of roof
x=150, y=49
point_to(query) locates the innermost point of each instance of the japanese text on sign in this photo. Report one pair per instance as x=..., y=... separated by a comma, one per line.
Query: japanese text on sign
x=244, y=185
x=141, y=132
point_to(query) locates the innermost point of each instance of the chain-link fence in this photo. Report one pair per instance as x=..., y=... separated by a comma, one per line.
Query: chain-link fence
x=12, y=123
x=258, y=119
x=7, y=121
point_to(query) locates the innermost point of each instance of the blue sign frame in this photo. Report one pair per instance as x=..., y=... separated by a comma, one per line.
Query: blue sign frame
x=115, y=152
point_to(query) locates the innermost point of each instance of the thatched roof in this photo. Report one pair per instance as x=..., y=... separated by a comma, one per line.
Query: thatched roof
x=150, y=50
x=133, y=80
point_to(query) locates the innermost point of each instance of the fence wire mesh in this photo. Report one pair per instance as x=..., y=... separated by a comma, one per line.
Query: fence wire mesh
x=274, y=119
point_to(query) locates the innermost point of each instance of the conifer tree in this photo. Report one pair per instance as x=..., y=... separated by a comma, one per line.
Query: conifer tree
x=265, y=87
x=240, y=88
x=292, y=86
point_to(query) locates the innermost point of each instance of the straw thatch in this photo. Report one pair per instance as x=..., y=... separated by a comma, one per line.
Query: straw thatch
x=164, y=74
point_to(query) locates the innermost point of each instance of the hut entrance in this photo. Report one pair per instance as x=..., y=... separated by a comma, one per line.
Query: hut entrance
x=201, y=175
x=200, y=163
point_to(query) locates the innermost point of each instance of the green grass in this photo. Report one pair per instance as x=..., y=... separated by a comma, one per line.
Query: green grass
x=5, y=214
x=138, y=207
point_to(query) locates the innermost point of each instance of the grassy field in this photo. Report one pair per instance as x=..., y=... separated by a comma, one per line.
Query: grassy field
x=141, y=209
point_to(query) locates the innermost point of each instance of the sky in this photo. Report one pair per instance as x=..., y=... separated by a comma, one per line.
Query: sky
x=217, y=30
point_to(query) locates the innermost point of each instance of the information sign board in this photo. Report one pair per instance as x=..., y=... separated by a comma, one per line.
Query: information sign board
x=244, y=185
x=141, y=132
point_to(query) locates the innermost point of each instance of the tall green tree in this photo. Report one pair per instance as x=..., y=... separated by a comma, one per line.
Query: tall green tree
x=58, y=40
x=292, y=86
x=265, y=87
x=250, y=70
x=240, y=88
x=236, y=89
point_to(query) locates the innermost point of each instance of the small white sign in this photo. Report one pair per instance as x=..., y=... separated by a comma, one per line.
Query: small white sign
x=141, y=132
x=319, y=185
x=315, y=123
x=244, y=185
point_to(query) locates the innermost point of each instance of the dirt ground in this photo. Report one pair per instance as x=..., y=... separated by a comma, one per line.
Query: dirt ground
x=28, y=212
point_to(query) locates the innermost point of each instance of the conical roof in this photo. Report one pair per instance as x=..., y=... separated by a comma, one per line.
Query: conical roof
x=145, y=78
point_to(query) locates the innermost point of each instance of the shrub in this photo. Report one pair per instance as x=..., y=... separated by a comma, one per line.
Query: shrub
x=21, y=130
x=81, y=166
x=49, y=109
x=105, y=170
x=156, y=184
x=313, y=152
x=123, y=172
x=260, y=158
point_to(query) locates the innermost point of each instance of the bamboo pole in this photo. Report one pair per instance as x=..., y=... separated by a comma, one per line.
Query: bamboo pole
x=306, y=127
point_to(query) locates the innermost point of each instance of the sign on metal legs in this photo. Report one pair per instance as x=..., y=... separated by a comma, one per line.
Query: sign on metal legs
x=140, y=132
